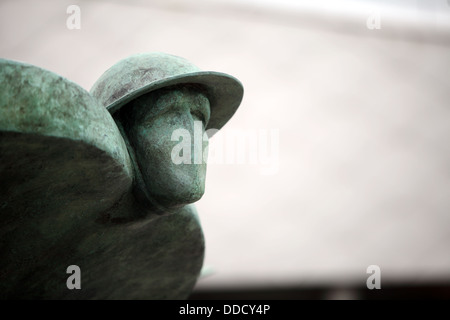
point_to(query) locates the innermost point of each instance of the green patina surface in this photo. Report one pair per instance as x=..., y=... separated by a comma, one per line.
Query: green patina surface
x=80, y=187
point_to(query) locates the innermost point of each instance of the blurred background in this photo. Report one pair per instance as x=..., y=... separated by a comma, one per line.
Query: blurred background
x=341, y=144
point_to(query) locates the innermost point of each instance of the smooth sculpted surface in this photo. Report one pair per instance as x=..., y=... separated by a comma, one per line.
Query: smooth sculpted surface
x=150, y=125
x=89, y=185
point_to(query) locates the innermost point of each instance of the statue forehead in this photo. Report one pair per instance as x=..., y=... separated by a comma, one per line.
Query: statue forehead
x=152, y=103
x=177, y=94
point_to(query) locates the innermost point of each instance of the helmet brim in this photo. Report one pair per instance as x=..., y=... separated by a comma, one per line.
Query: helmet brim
x=223, y=91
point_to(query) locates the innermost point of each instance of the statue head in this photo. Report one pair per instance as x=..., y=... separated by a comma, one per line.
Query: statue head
x=153, y=98
x=151, y=125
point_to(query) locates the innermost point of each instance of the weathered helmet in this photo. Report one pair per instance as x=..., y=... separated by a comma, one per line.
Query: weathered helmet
x=142, y=73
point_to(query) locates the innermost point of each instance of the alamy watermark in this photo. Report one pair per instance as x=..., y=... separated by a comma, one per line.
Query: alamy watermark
x=252, y=147
x=74, y=281
x=373, y=22
x=73, y=21
x=374, y=280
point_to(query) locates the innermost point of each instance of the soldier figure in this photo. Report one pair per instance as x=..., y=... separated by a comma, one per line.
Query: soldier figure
x=81, y=186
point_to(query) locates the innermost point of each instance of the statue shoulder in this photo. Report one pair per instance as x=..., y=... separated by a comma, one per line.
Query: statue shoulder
x=57, y=142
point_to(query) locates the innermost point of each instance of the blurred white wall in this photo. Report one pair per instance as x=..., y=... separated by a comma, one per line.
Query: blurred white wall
x=362, y=165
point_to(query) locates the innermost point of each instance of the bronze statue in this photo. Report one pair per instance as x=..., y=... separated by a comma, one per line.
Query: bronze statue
x=88, y=179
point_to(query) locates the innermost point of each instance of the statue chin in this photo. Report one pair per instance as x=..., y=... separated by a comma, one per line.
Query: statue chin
x=171, y=191
x=178, y=200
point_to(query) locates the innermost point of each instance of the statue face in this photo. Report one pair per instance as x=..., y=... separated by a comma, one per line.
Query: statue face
x=154, y=122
